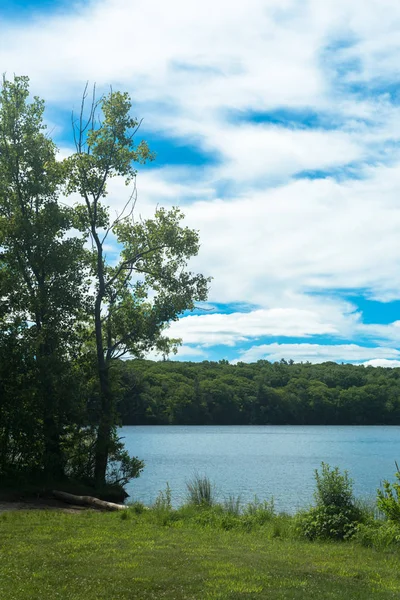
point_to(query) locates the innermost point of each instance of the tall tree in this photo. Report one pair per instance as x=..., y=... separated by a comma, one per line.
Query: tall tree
x=42, y=288
x=150, y=285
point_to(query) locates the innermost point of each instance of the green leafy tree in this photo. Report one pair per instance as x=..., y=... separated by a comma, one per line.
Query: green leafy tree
x=150, y=285
x=41, y=279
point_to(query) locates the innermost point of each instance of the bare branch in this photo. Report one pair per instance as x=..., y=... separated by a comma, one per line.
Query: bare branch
x=121, y=215
x=81, y=129
x=135, y=129
x=203, y=308
x=131, y=261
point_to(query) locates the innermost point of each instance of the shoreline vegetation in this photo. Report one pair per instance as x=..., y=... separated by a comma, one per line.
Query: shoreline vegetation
x=262, y=393
x=336, y=549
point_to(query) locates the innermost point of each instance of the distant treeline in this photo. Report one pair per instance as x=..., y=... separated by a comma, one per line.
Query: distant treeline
x=217, y=393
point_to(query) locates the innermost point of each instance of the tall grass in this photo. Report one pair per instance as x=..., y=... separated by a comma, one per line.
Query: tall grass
x=200, y=491
x=233, y=504
x=337, y=515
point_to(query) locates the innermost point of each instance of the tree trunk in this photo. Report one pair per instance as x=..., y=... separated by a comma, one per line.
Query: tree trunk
x=87, y=501
x=53, y=456
x=106, y=416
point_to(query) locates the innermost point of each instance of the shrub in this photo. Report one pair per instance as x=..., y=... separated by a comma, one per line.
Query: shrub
x=282, y=526
x=389, y=499
x=328, y=522
x=258, y=513
x=336, y=513
x=333, y=488
x=378, y=535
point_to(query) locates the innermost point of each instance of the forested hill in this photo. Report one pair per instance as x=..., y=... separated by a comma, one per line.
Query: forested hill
x=210, y=393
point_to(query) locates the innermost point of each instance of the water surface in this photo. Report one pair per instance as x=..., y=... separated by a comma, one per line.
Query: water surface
x=266, y=461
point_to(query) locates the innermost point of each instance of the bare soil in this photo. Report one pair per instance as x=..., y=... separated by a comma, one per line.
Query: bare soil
x=39, y=504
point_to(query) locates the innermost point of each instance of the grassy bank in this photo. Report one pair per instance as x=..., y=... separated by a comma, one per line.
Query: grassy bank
x=189, y=555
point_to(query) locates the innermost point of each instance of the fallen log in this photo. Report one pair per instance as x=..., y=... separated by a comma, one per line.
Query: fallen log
x=87, y=501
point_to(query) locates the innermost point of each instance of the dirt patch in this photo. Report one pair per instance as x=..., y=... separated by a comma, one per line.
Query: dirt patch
x=40, y=504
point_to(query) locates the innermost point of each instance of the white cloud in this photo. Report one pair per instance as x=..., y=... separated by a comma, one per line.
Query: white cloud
x=317, y=353
x=382, y=362
x=271, y=240
x=271, y=153
x=318, y=318
x=184, y=353
x=307, y=235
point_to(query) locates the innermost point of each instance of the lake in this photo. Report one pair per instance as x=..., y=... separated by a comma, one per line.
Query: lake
x=266, y=461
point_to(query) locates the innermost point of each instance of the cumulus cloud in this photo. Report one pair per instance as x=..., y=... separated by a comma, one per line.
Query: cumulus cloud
x=382, y=362
x=285, y=210
x=317, y=353
x=318, y=318
x=315, y=235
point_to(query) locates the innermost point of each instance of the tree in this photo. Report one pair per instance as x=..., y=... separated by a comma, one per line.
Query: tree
x=41, y=279
x=150, y=286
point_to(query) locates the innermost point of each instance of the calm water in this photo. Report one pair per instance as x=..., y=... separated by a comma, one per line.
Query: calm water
x=276, y=461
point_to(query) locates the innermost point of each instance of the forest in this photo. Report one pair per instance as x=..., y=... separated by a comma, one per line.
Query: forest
x=218, y=393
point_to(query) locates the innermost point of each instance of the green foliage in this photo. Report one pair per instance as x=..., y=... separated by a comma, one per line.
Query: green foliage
x=163, y=502
x=200, y=491
x=211, y=393
x=232, y=505
x=162, y=507
x=149, y=286
x=380, y=535
x=66, y=312
x=257, y=513
x=336, y=514
x=333, y=488
x=389, y=499
x=122, y=467
x=137, y=507
x=328, y=522
x=42, y=292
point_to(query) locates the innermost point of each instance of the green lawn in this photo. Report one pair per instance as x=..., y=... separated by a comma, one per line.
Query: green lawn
x=91, y=556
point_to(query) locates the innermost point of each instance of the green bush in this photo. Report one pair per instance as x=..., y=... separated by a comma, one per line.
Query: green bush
x=379, y=535
x=336, y=514
x=329, y=522
x=333, y=488
x=389, y=499
x=258, y=513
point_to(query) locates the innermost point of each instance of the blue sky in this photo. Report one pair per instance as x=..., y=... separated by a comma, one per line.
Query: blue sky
x=276, y=125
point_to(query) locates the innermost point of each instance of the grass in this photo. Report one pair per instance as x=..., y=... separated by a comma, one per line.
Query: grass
x=189, y=555
x=200, y=491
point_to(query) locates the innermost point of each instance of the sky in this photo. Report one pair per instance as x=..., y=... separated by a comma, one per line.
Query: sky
x=276, y=125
